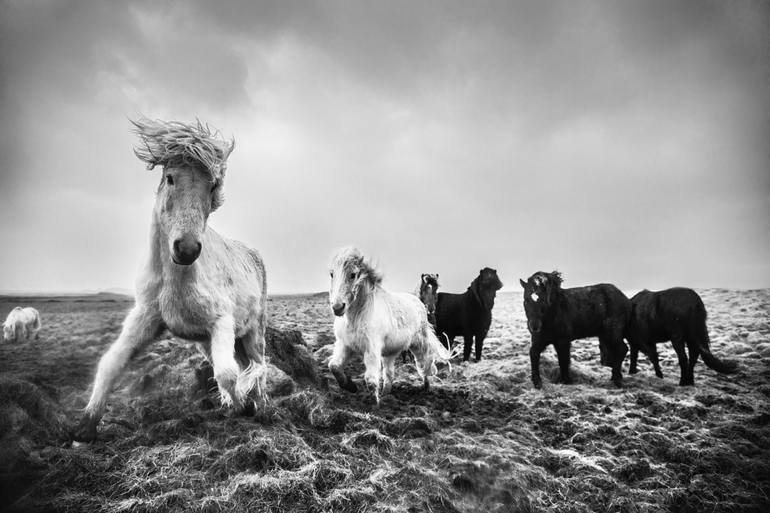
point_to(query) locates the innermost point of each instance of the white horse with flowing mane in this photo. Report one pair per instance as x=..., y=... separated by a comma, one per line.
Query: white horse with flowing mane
x=378, y=324
x=196, y=283
x=21, y=324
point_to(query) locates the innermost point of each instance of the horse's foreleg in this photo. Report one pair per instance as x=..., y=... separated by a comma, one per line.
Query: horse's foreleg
x=373, y=374
x=563, y=354
x=389, y=373
x=534, y=359
x=140, y=327
x=223, y=360
x=479, y=344
x=467, y=347
x=336, y=366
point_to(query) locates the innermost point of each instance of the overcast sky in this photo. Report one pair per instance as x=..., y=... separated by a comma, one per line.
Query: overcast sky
x=622, y=142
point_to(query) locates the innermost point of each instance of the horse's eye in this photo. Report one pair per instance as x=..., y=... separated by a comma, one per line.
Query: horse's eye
x=169, y=179
x=331, y=274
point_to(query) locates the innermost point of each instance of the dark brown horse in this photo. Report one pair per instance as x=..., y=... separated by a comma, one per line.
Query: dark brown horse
x=677, y=315
x=468, y=314
x=558, y=316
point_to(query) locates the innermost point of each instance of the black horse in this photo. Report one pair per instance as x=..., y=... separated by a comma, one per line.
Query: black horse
x=677, y=315
x=558, y=316
x=468, y=314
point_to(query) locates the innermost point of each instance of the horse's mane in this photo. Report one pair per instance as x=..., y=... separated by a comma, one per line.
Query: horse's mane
x=173, y=143
x=353, y=255
x=553, y=278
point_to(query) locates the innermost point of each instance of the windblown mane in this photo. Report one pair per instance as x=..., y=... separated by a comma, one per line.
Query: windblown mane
x=553, y=278
x=351, y=255
x=173, y=143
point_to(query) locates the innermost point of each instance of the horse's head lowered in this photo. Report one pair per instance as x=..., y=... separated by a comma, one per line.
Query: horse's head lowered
x=194, y=159
x=539, y=295
x=429, y=294
x=351, y=274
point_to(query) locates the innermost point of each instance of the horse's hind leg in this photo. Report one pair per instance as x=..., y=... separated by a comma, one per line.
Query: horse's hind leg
x=616, y=353
x=677, y=340
x=141, y=326
x=694, y=352
x=634, y=357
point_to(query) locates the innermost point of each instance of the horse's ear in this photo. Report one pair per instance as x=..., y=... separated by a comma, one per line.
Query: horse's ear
x=424, y=278
x=523, y=283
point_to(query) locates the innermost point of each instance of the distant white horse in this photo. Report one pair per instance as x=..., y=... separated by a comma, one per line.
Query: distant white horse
x=198, y=284
x=21, y=324
x=378, y=324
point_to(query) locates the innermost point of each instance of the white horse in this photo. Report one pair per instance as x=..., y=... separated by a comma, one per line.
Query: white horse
x=378, y=324
x=196, y=283
x=21, y=324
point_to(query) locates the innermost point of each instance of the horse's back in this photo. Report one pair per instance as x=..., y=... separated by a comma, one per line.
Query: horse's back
x=658, y=315
x=595, y=310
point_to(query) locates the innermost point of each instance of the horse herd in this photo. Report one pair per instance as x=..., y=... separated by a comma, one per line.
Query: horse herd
x=211, y=290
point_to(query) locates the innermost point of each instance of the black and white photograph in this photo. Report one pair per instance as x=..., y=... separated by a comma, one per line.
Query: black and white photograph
x=405, y=256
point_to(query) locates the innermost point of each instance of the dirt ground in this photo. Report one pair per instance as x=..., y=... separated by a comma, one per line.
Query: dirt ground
x=482, y=439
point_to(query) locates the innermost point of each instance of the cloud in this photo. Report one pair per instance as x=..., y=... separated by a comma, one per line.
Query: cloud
x=615, y=141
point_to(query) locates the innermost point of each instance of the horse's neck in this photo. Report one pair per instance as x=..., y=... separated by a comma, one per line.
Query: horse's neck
x=363, y=302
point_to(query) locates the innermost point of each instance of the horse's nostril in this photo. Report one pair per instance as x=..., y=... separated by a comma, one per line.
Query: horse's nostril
x=186, y=250
x=338, y=309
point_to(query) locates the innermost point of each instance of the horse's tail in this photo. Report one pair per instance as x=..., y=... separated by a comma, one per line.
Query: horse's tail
x=36, y=325
x=438, y=351
x=701, y=336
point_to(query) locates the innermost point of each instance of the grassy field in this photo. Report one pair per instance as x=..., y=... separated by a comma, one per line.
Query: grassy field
x=482, y=439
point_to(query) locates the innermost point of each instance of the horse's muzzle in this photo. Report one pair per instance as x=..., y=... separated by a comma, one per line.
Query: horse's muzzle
x=534, y=328
x=186, y=251
x=338, y=309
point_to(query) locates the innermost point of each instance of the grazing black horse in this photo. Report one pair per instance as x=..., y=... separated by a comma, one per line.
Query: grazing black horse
x=468, y=314
x=558, y=316
x=677, y=315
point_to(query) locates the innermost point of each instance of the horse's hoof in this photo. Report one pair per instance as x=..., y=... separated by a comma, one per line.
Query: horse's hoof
x=659, y=374
x=618, y=383
x=537, y=384
x=80, y=445
x=350, y=387
x=249, y=409
x=633, y=371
